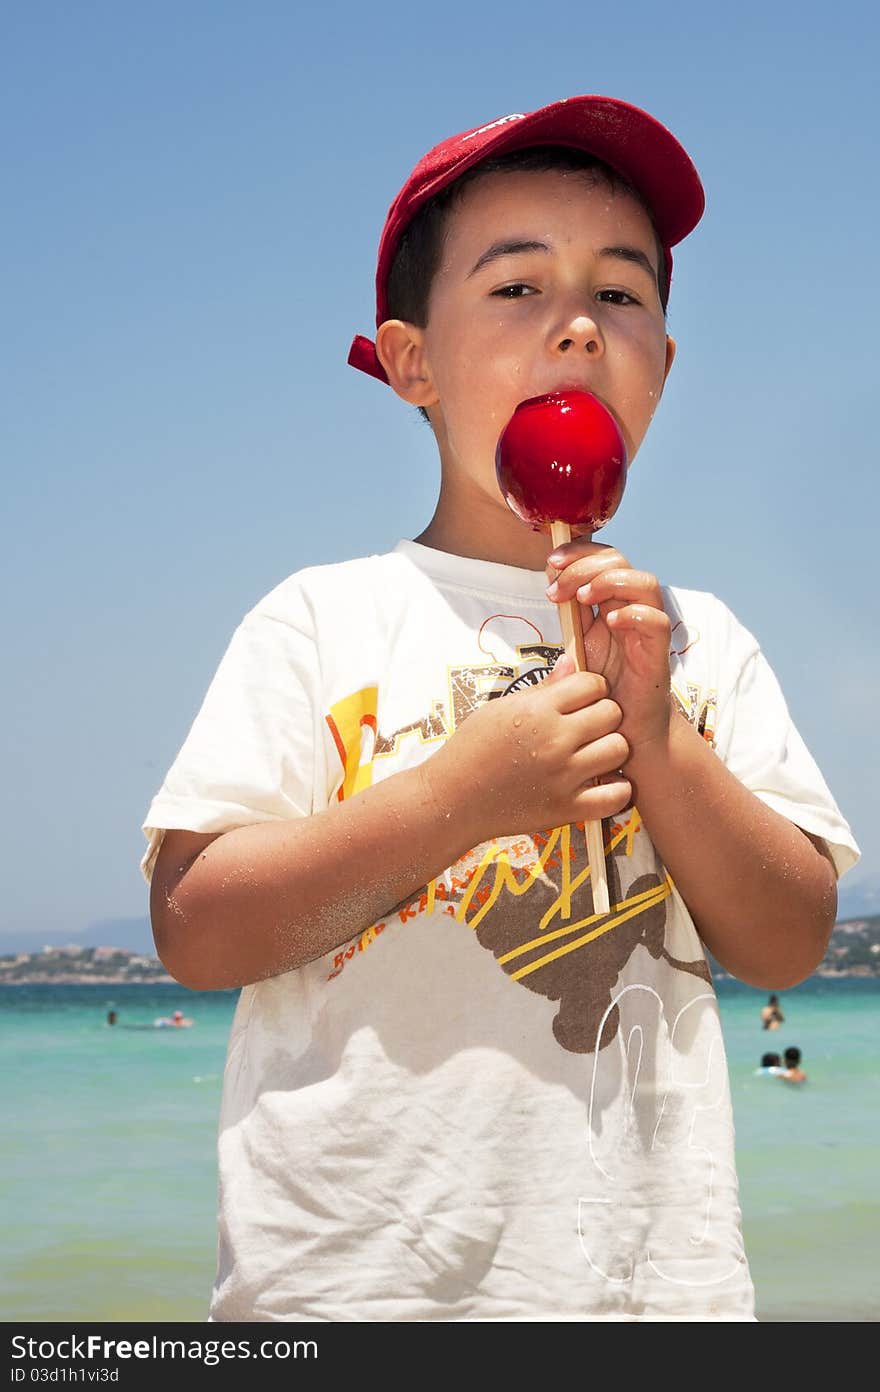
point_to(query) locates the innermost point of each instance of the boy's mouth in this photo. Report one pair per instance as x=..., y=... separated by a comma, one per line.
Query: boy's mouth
x=575, y=387
x=572, y=386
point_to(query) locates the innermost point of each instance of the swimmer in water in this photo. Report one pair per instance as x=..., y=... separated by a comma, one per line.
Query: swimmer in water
x=178, y=1020
x=792, y=1072
x=771, y=1066
x=771, y=1016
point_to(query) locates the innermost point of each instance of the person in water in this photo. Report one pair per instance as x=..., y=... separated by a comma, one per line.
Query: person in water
x=177, y=1020
x=772, y=1015
x=771, y=1066
x=792, y=1072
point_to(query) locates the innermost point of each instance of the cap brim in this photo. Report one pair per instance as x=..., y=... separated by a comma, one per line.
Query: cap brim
x=362, y=355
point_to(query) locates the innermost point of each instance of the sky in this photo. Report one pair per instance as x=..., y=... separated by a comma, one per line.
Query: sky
x=194, y=194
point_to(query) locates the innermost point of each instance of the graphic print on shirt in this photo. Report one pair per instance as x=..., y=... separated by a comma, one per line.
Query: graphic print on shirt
x=528, y=898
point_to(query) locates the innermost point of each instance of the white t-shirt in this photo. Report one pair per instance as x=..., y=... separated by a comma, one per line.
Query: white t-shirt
x=494, y=1104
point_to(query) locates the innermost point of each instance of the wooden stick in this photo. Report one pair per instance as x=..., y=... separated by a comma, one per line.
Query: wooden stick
x=573, y=634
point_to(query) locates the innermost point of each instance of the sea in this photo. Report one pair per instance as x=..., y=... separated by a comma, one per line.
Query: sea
x=108, y=1162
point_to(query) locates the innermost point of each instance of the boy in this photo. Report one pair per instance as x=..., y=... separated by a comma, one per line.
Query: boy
x=454, y=1091
x=792, y=1072
x=771, y=1066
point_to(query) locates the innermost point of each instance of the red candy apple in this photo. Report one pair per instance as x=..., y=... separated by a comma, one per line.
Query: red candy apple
x=561, y=462
x=561, y=458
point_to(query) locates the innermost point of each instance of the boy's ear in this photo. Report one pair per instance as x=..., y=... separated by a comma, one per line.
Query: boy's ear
x=670, y=357
x=400, y=348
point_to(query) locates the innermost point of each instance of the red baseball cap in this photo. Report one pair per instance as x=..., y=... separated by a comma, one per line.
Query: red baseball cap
x=627, y=139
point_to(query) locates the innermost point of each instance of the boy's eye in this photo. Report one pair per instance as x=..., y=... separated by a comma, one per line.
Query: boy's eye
x=513, y=292
x=617, y=297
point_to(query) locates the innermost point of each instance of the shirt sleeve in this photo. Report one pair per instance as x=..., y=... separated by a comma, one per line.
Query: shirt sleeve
x=251, y=751
x=759, y=742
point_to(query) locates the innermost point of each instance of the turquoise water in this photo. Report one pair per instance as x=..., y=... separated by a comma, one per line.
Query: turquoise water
x=108, y=1168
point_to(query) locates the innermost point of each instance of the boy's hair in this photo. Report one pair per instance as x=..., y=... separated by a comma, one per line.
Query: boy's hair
x=792, y=1056
x=420, y=249
x=643, y=154
x=770, y=1060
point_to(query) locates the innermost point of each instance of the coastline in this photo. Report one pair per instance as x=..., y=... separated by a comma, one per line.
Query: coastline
x=853, y=951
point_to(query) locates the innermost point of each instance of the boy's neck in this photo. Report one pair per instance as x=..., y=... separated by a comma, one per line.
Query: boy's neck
x=483, y=530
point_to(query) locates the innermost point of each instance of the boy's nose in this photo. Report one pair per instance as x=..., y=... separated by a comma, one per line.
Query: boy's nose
x=580, y=334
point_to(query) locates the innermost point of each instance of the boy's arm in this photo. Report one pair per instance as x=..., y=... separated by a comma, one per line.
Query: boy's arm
x=263, y=899
x=234, y=908
x=762, y=893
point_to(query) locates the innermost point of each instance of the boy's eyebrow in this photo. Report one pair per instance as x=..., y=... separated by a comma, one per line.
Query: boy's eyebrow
x=516, y=245
x=633, y=255
x=508, y=247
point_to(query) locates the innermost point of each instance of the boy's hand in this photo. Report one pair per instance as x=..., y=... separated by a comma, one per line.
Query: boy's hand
x=626, y=638
x=529, y=760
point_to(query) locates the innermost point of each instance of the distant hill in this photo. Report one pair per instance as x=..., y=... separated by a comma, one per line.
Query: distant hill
x=73, y=964
x=132, y=934
x=861, y=899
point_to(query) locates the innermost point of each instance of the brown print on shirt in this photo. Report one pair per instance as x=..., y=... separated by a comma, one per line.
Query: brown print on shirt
x=544, y=933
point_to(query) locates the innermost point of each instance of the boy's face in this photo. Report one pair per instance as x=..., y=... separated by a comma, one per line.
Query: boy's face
x=546, y=280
